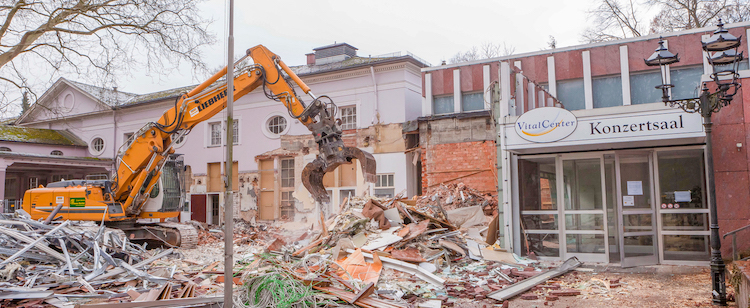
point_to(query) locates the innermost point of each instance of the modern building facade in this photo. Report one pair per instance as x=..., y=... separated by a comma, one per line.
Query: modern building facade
x=374, y=95
x=620, y=177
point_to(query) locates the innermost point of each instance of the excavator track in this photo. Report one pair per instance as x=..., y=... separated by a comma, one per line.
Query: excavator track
x=188, y=235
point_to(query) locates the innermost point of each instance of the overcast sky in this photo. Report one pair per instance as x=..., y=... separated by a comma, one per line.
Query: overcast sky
x=432, y=30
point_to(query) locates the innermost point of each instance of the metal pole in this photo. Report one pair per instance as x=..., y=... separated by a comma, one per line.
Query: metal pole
x=717, y=263
x=228, y=168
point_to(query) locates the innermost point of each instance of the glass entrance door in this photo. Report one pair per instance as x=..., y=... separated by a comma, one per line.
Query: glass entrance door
x=637, y=226
x=583, y=207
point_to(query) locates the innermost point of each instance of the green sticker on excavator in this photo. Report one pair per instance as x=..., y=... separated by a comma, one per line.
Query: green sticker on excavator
x=77, y=202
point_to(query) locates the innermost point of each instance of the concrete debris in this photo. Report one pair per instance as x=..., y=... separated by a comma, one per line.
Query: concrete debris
x=74, y=263
x=377, y=252
x=458, y=195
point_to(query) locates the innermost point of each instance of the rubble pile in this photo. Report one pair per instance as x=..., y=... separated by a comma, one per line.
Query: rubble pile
x=458, y=195
x=70, y=263
x=376, y=252
x=384, y=253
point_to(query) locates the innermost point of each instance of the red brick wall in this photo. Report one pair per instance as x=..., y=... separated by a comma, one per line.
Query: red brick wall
x=475, y=161
x=732, y=170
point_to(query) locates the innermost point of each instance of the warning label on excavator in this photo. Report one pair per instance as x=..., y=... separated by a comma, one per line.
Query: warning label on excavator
x=77, y=202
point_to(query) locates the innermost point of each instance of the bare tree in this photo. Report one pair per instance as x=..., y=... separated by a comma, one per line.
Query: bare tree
x=617, y=19
x=97, y=40
x=688, y=14
x=508, y=49
x=469, y=55
x=485, y=51
x=613, y=20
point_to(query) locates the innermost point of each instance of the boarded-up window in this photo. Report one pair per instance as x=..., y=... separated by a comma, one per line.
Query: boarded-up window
x=267, y=210
x=215, y=181
x=215, y=184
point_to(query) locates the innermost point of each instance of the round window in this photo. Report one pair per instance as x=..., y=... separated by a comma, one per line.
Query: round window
x=97, y=146
x=276, y=125
x=179, y=142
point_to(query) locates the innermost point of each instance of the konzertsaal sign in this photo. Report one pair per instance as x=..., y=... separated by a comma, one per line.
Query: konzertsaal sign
x=550, y=126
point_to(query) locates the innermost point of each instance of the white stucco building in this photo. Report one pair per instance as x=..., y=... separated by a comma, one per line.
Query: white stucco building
x=374, y=95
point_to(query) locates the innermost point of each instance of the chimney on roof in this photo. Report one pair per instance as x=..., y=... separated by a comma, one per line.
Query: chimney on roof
x=334, y=53
x=310, y=58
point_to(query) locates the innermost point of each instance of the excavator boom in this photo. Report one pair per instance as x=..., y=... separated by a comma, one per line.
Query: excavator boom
x=139, y=164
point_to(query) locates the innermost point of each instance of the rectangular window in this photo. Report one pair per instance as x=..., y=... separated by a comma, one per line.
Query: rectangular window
x=33, y=182
x=214, y=133
x=128, y=138
x=686, y=81
x=607, y=91
x=472, y=101
x=287, y=205
x=236, y=131
x=570, y=94
x=11, y=188
x=287, y=172
x=384, y=186
x=348, y=117
x=642, y=88
x=442, y=104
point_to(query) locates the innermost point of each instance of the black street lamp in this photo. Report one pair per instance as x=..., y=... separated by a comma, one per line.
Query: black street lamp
x=724, y=59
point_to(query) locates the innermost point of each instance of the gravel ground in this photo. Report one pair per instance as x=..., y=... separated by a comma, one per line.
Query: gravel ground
x=651, y=290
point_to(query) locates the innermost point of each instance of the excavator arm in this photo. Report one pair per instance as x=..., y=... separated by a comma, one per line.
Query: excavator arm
x=139, y=164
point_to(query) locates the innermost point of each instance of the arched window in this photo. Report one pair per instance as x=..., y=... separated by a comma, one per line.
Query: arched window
x=56, y=152
x=5, y=149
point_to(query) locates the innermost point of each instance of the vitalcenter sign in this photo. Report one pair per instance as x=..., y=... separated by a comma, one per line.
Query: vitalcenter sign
x=558, y=127
x=547, y=124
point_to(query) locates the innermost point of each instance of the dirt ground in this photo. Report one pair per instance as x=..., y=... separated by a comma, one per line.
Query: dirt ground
x=651, y=290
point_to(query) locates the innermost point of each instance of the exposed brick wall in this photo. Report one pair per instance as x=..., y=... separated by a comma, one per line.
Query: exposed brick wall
x=471, y=163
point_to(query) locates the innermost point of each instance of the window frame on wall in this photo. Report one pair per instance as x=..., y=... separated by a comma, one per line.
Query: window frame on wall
x=606, y=97
x=266, y=129
x=468, y=98
x=286, y=187
x=214, y=139
x=565, y=87
x=640, y=85
x=97, y=145
x=127, y=138
x=446, y=100
x=683, y=90
x=348, y=116
x=384, y=185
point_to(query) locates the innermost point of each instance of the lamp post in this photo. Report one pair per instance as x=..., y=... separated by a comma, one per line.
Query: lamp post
x=721, y=49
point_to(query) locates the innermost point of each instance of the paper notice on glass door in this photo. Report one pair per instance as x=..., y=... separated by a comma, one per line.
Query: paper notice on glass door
x=635, y=188
x=628, y=200
x=682, y=196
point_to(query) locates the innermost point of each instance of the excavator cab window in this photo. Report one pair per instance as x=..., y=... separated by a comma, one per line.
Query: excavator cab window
x=154, y=191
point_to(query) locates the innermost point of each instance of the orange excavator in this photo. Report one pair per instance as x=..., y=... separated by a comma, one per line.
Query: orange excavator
x=146, y=180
